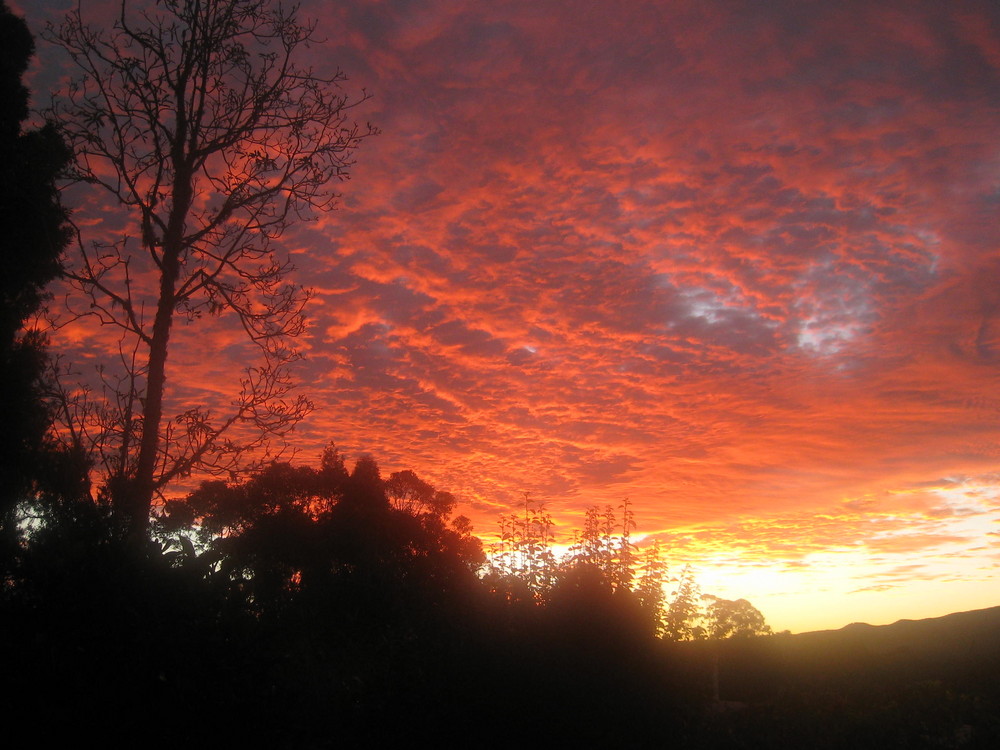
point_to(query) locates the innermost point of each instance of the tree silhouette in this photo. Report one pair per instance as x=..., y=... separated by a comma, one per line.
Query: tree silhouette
x=199, y=120
x=605, y=543
x=290, y=531
x=33, y=235
x=523, y=567
x=734, y=619
x=649, y=587
x=682, y=620
x=406, y=491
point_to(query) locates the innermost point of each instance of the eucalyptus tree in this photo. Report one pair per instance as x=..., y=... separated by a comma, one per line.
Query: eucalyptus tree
x=200, y=118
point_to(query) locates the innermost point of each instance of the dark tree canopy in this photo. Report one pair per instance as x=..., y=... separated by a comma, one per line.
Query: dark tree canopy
x=34, y=230
x=735, y=619
x=294, y=533
x=33, y=234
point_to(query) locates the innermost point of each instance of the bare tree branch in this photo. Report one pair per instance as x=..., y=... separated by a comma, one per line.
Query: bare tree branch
x=197, y=117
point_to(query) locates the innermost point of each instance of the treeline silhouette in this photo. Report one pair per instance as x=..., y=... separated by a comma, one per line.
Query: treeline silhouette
x=604, y=566
x=313, y=607
x=306, y=607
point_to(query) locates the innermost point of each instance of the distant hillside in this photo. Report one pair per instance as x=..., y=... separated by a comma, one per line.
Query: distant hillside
x=915, y=683
x=962, y=643
x=963, y=647
x=974, y=624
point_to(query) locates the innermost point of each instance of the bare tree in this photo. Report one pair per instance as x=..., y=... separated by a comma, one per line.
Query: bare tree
x=197, y=117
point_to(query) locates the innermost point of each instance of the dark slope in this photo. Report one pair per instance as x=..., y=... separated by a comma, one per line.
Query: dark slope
x=924, y=683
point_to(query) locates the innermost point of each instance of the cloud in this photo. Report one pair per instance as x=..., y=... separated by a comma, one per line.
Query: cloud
x=735, y=261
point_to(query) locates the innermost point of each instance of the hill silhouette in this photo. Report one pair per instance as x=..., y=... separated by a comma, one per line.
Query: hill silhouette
x=960, y=645
x=914, y=683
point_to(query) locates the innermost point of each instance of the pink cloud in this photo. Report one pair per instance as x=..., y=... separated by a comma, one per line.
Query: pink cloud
x=727, y=259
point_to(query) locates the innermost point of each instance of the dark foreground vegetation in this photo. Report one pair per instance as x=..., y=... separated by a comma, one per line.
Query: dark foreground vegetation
x=321, y=607
x=914, y=684
x=323, y=615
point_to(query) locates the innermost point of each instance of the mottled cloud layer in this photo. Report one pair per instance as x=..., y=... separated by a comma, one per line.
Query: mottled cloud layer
x=737, y=261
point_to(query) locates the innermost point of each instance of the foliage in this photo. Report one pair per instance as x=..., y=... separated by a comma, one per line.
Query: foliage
x=649, y=587
x=290, y=532
x=33, y=235
x=407, y=492
x=525, y=570
x=682, y=620
x=734, y=619
x=523, y=566
x=604, y=544
x=198, y=119
x=303, y=601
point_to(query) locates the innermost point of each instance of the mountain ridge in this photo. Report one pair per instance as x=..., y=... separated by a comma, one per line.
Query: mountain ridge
x=986, y=613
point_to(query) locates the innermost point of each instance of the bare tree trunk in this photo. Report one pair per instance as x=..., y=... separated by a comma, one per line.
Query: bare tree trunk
x=143, y=485
x=140, y=489
x=196, y=98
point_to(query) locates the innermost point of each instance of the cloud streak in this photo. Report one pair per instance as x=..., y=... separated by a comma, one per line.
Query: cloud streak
x=732, y=260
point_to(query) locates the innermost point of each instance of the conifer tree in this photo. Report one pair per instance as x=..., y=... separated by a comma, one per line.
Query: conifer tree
x=33, y=234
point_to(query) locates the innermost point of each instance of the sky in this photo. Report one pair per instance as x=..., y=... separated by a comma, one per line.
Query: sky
x=737, y=262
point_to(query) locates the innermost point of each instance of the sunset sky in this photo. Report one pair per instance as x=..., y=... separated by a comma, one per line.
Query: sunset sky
x=736, y=261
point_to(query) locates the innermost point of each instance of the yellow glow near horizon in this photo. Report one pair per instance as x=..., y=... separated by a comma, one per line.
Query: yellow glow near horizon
x=922, y=563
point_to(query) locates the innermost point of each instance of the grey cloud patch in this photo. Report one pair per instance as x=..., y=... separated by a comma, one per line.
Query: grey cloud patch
x=416, y=197
x=457, y=334
x=614, y=469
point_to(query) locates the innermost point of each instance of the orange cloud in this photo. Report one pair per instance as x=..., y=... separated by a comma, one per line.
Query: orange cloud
x=735, y=261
